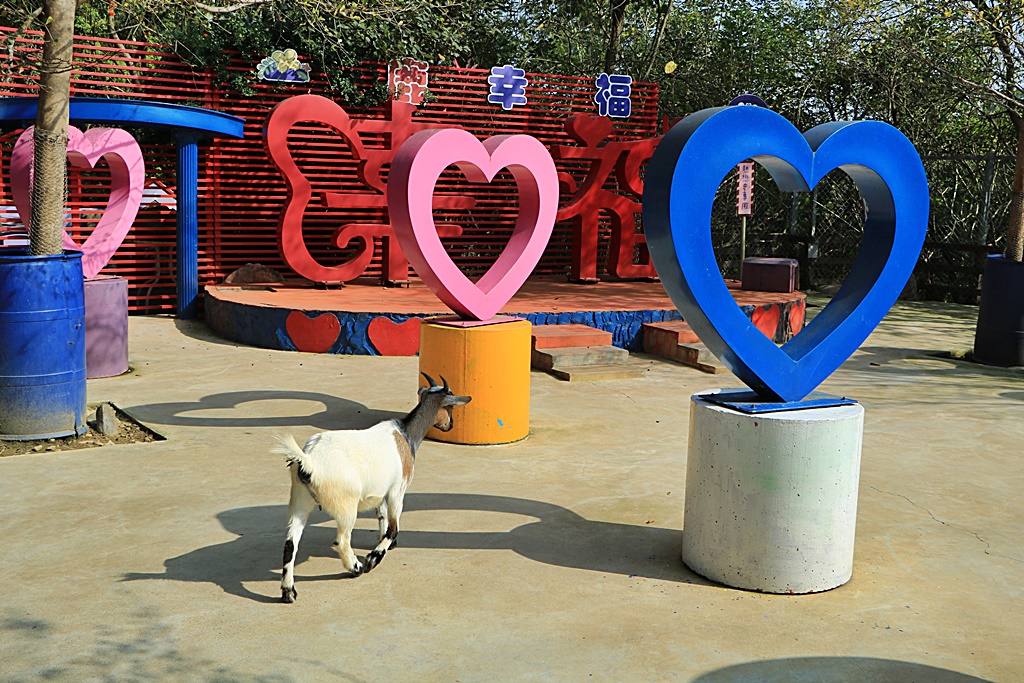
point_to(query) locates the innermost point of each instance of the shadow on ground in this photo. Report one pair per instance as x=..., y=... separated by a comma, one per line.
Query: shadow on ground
x=835, y=670
x=140, y=647
x=198, y=329
x=338, y=413
x=558, y=536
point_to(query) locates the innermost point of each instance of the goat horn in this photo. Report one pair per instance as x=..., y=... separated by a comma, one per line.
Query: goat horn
x=446, y=389
x=430, y=379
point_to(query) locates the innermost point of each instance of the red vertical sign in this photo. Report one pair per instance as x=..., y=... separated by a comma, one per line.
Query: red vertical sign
x=745, y=189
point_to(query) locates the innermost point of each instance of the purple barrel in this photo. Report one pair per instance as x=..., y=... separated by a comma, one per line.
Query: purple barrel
x=106, y=326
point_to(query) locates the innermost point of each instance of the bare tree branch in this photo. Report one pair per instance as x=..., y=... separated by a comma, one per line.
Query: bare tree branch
x=657, y=38
x=242, y=4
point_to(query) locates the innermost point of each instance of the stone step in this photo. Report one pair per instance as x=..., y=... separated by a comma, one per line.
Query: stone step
x=700, y=357
x=595, y=373
x=575, y=356
x=675, y=340
x=662, y=338
x=561, y=336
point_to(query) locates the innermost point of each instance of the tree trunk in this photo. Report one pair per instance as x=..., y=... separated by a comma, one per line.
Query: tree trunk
x=657, y=38
x=611, y=56
x=1014, y=249
x=49, y=187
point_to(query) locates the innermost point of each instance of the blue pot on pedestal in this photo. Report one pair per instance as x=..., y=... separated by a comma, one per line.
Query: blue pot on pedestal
x=999, y=337
x=42, y=345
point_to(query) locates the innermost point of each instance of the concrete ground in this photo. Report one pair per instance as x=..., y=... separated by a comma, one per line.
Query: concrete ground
x=553, y=559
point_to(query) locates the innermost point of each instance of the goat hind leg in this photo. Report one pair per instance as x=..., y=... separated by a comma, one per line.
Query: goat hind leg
x=346, y=519
x=299, y=507
x=382, y=520
x=388, y=537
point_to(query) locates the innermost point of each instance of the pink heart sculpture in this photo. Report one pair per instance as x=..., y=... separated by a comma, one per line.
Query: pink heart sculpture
x=414, y=173
x=127, y=178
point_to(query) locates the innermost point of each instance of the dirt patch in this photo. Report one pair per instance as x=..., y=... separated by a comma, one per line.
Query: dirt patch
x=129, y=431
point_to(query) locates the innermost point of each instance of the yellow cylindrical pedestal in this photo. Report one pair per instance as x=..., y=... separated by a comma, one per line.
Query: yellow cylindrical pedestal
x=489, y=362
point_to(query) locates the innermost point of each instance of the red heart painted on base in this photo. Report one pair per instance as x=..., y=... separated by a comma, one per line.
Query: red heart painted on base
x=796, y=317
x=766, y=319
x=313, y=335
x=395, y=339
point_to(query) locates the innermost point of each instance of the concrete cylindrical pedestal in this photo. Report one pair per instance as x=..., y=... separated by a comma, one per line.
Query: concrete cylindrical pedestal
x=491, y=363
x=106, y=326
x=771, y=498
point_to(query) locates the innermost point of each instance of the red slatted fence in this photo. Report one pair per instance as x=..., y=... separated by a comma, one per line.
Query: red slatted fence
x=241, y=194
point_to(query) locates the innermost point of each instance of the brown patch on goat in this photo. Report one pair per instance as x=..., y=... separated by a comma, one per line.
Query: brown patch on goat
x=405, y=453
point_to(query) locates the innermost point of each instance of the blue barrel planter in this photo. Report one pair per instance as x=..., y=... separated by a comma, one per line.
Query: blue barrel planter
x=42, y=346
x=999, y=337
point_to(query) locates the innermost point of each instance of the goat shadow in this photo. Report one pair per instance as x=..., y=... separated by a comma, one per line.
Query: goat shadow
x=338, y=413
x=558, y=537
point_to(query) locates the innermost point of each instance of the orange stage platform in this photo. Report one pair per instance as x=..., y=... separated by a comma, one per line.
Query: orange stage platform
x=369, y=319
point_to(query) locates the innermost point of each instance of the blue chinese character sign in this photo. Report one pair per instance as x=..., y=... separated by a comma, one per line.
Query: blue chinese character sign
x=683, y=177
x=613, y=93
x=508, y=86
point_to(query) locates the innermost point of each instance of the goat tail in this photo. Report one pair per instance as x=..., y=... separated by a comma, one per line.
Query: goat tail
x=289, y=448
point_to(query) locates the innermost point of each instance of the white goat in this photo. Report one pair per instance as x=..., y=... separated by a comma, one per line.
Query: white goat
x=350, y=470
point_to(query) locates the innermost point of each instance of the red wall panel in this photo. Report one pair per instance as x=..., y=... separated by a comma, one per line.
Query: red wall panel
x=241, y=194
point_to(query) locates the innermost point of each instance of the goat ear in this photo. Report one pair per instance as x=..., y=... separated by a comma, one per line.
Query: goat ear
x=456, y=400
x=421, y=391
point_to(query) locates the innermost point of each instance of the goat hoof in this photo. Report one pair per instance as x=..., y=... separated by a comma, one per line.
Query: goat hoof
x=289, y=594
x=374, y=558
x=357, y=570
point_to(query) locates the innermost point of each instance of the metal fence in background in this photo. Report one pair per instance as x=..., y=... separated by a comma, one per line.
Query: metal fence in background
x=970, y=199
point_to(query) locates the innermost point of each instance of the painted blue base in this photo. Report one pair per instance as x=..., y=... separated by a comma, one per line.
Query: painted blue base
x=266, y=328
x=747, y=401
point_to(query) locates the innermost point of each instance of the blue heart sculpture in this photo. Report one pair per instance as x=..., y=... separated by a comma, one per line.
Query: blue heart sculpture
x=682, y=179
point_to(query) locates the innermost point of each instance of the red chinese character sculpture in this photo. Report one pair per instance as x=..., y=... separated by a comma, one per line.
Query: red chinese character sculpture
x=400, y=126
x=592, y=197
x=628, y=256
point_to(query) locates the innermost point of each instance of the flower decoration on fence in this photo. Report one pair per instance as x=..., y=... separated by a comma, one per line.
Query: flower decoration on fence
x=407, y=80
x=283, y=66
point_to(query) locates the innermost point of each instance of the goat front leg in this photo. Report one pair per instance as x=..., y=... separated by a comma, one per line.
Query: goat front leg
x=346, y=519
x=389, y=536
x=300, y=505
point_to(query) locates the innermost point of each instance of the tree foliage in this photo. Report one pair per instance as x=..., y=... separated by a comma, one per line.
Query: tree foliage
x=976, y=49
x=946, y=72
x=943, y=71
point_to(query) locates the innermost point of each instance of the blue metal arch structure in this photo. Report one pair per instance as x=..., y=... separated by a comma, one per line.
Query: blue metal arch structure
x=188, y=124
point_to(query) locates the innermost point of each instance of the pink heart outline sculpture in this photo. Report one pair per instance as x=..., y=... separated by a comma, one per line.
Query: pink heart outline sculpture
x=410, y=190
x=127, y=179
